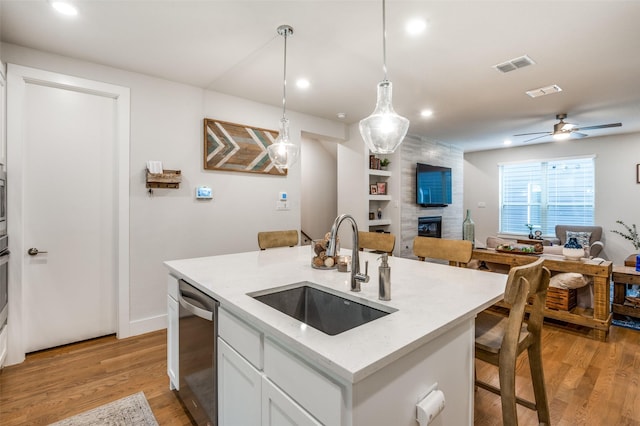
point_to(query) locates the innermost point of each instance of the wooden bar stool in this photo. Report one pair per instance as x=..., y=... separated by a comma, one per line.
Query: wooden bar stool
x=272, y=239
x=500, y=340
x=457, y=252
x=377, y=241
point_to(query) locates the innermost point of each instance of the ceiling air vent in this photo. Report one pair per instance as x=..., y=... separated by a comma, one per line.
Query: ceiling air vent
x=514, y=64
x=554, y=88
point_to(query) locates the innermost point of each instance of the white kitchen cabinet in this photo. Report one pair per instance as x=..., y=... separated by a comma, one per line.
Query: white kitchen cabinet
x=3, y=344
x=239, y=388
x=173, y=314
x=280, y=410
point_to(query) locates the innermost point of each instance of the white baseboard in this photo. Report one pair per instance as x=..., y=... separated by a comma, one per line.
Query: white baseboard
x=146, y=325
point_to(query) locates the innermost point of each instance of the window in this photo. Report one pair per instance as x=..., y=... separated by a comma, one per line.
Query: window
x=546, y=193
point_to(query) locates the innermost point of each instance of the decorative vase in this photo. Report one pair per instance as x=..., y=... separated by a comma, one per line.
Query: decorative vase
x=469, y=229
x=572, y=250
x=530, y=235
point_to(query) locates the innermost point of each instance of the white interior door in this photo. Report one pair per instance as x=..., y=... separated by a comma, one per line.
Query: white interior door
x=69, y=186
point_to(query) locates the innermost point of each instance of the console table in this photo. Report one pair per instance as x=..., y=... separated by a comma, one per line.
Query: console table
x=622, y=276
x=598, y=318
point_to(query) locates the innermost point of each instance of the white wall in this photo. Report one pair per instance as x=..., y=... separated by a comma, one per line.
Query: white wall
x=617, y=193
x=319, y=200
x=167, y=125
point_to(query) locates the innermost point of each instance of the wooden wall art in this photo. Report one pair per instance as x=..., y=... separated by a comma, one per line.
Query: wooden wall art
x=238, y=148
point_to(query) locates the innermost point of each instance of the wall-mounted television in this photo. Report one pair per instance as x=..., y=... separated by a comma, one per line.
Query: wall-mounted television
x=433, y=185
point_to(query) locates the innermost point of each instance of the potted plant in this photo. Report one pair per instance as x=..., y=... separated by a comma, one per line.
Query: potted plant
x=630, y=233
x=384, y=163
x=530, y=227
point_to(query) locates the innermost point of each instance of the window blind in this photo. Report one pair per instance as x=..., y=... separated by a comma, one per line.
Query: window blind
x=546, y=193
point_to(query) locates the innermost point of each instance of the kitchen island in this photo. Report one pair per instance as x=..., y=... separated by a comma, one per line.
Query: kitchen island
x=373, y=374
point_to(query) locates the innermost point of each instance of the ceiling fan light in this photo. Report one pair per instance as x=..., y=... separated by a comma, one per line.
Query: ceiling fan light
x=384, y=130
x=561, y=136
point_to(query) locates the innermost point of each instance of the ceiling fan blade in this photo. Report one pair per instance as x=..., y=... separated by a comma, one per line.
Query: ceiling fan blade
x=601, y=126
x=578, y=135
x=535, y=133
x=538, y=137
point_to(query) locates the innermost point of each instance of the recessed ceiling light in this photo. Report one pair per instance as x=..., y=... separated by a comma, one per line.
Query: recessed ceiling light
x=415, y=26
x=303, y=83
x=507, y=142
x=426, y=113
x=64, y=8
x=341, y=115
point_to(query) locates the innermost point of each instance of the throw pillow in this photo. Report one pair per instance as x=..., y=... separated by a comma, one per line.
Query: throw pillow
x=568, y=280
x=582, y=237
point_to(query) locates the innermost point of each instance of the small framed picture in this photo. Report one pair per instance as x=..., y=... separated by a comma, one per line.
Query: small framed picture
x=637, y=173
x=382, y=188
x=372, y=215
x=373, y=189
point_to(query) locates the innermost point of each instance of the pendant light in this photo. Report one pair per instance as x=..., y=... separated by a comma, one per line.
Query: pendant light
x=283, y=153
x=384, y=130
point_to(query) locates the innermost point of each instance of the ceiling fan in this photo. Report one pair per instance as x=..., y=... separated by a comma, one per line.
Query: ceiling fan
x=563, y=130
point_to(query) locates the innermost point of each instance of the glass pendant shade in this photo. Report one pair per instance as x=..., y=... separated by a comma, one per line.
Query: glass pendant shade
x=384, y=130
x=282, y=152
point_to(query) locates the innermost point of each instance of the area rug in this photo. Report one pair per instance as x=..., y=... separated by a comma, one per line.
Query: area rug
x=132, y=410
x=626, y=322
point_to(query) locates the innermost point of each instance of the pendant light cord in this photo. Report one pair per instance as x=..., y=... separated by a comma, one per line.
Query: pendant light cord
x=284, y=84
x=384, y=41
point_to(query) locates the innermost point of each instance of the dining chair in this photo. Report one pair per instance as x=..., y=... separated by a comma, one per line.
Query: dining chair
x=500, y=340
x=456, y=252
x=376, y=241
x=271, y=239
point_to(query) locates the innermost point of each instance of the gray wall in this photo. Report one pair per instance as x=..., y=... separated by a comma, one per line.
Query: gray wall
x=422, y=150
x=617, y=193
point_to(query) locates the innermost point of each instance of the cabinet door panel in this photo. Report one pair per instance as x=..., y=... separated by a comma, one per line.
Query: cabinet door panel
x=240, y=388
x=172, y=342
x=280, y=410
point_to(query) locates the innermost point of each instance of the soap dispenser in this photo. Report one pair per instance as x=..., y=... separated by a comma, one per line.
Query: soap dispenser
x=384, y=278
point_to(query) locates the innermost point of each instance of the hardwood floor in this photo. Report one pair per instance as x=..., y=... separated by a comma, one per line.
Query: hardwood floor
x=588, y=382
x=54, y=384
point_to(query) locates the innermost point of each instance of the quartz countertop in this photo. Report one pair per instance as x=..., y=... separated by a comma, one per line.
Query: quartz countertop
x=430, y=299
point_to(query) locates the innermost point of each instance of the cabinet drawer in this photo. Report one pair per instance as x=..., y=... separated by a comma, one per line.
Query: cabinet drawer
x=319, y=395
x=241, y=336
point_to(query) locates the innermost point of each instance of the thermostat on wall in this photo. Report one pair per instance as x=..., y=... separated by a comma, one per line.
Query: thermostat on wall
x=203, y=192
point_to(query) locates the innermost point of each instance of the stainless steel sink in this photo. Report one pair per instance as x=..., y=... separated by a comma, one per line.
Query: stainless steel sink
x=321, y=307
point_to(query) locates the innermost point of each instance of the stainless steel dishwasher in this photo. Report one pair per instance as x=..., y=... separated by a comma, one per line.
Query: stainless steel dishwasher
x=198, y=335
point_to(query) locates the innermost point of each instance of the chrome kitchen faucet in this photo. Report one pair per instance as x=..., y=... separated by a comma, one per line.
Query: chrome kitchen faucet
x=356, y=276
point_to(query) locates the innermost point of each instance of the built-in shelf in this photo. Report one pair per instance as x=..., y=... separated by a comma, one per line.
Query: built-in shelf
x=379, y=197
x=375, y=172
x=379, y=222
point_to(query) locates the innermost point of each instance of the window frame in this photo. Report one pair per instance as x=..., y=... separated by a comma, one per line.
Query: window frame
x=544, y=206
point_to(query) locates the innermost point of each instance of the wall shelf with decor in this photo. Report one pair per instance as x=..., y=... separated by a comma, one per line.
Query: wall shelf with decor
x=167, y=179
x=378, y=199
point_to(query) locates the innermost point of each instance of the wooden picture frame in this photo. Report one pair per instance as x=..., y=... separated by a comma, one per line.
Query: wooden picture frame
x=382, y=188
x=373, y=189
x=238, y=148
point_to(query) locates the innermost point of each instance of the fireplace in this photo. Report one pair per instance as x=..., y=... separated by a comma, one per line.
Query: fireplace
x=430, y=226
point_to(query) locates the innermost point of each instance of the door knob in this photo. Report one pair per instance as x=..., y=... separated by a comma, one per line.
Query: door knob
x=34, y=251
